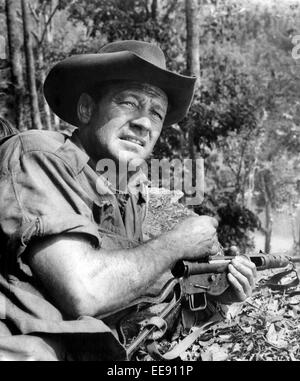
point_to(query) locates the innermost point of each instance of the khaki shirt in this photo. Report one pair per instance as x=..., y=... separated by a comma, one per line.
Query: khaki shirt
x=47, y=187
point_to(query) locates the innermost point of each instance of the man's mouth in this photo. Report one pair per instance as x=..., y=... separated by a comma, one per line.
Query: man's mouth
x=133, y=139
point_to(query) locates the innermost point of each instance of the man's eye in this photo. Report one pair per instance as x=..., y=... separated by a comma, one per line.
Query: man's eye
x=129, y=103
x=157, y=115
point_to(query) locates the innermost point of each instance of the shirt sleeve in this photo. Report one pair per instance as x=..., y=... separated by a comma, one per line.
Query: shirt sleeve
x=41, y=196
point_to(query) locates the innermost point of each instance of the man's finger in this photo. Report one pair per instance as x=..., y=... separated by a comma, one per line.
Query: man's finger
x=241, y=278
x=246, y=262
x=245, y=270
x=237, y=287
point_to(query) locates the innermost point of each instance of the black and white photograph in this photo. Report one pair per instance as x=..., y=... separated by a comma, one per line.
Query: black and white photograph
x=150, y=183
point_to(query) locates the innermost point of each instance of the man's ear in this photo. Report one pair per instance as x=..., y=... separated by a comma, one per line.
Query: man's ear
x=85, y=108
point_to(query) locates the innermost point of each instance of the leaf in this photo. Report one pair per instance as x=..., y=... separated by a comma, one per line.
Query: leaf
x=236, y=348
x=196, y=348
x=293, y=358
x=273, y=306
x=294, y=300
x=274, y=318
x=248, y=329
x=225, y=338
x=233, y=310
x=206, y=343
x=206, y=356
x=215, y=353
x=276, y=338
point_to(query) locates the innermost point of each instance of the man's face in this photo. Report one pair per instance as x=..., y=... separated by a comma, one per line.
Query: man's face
x=127, y=122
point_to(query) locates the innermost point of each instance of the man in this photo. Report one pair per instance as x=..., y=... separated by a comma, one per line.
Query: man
x=74, y=252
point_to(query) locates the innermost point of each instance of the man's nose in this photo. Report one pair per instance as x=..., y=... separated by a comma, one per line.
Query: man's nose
x=142, y=125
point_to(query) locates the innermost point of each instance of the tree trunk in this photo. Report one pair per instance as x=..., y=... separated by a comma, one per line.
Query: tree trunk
x=296, y=230
x=46, y=107
x=268, y=211
x=192, y=60
x=192, y=38
x=44, y=26
x=252, y=173
x=268, y=228
x=49, y=39
x=154, y=9
x=30, y=68
x=15, y=58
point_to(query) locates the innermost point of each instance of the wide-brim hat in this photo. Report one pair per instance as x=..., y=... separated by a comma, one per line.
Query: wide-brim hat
x=122, y=60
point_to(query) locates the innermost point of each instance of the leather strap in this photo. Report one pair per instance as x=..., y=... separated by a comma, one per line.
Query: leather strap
x=274, y=282
x=159, y=323
x=153, y=324
x=183, y=345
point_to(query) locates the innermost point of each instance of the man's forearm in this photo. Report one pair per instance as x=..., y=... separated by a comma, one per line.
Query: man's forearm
x=86, y=281
x=124, y=275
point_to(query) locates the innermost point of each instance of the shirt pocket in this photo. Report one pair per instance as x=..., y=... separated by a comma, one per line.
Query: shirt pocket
x=111, y=229
x=103, y=213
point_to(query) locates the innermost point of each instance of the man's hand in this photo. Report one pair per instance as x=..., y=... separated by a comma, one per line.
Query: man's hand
x=195, y=237
x=81, y=281
x=241, y=277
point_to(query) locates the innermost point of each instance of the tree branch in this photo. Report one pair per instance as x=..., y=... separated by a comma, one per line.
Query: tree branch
x=33, y=12
x=35, y=36
x=48, y=22
x=231, y=168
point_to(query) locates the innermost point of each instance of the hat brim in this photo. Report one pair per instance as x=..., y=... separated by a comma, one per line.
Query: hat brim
x=73, y=76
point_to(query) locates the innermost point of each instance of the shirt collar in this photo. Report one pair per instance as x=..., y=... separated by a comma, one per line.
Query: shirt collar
x=137, y=183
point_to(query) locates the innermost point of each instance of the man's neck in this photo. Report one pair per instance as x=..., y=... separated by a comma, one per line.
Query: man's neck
x=77, y=141
x=119, y=179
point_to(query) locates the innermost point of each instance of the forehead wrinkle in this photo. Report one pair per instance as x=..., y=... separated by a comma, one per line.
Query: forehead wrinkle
x=132, y=88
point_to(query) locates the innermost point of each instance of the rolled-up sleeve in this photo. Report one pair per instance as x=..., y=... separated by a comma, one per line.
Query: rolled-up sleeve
x=41, y=196
x=46, y=188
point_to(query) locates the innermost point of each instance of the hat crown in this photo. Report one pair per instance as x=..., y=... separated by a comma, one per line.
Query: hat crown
x=127, y=60
x=149, y=52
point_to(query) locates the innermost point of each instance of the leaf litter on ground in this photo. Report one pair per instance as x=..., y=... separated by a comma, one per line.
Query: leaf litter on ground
x=266, y=327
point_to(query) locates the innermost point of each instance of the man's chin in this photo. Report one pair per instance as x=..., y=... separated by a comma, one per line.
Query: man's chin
x=126, y=157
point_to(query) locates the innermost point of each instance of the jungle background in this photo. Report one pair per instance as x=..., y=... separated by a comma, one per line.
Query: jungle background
x=244, y=122
x=245, y=118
